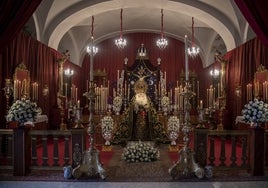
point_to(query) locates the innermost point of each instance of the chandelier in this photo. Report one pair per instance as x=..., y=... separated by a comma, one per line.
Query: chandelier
x=91, y=49
x=193, y=50
x=215, y=73
x=69, y=72
x=162, y=42
x=121, y=42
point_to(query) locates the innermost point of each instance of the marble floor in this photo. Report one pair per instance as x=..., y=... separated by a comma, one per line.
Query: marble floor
x=34, y=184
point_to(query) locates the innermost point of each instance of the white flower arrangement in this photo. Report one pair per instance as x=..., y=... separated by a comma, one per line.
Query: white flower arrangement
x=255, y=112
x=107, y=123
x=173, y=124
x=140, y=152
x=165, y=102
x=117, y=103
x=22, y=111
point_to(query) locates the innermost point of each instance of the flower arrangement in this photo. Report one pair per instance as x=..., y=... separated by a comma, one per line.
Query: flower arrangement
x=165, y=102
x=117, y=103
x=173, y=124
x=140, y=152
x=255, y=112
x=22, y=111
x=107, y=123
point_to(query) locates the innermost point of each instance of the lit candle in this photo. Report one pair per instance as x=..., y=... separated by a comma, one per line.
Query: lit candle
x=78, y=103
x=201, y=104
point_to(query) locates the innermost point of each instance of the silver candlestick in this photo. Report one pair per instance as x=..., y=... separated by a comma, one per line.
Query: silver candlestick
x=186, y=165
x=91, y=166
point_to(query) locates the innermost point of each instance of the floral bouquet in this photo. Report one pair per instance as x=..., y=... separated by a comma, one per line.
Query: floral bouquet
x=165, y=102
x=173, y=129
x=255, y=112
x=173, y=124
x=117, y=104
x=107, y=124
x=22, y=111
x=140, y=152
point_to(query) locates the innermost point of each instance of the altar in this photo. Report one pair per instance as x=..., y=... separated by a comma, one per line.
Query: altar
x=141, y=103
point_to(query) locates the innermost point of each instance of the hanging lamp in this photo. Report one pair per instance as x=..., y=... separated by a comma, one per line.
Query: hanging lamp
x=91, y=49
x=121, y=42
x=162, y=42
x=193, y=50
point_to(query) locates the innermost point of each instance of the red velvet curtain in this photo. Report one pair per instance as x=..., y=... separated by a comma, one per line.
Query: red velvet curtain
x=13, y=16
x=242, y=63
x=41, y=61
x=256, y=14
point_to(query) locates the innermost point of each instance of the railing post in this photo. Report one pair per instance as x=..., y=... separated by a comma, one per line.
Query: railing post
x=200, y=146
x=78, y=146
x=257, y=151
x=22, y=151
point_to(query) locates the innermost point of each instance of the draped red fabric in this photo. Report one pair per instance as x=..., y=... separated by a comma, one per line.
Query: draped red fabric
x=41, y=61
x=242, y=63
x=256, y=14
x=14, y=15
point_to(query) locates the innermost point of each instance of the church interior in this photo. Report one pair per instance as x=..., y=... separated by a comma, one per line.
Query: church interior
x=134, y=91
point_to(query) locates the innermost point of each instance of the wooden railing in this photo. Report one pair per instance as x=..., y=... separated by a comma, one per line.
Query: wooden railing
x=6, y=151
x=238, y=150
x=59, y=148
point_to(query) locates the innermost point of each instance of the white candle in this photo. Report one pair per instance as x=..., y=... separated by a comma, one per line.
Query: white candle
x=197, y=90
x=78, y=103
x=201, y=104
x=36, y=91
x=186, y=60
x=75, y=94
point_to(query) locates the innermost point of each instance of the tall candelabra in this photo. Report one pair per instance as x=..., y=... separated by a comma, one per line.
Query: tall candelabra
x=186, y=165
x=91, y=166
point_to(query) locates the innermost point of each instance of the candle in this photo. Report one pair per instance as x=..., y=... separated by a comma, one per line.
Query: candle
x=36, y=91
x=66, y=89
x=197, y=90
x=186, y=60
x=15, y=89
x=201, y=104
x=78, y=103
x=219, y=90
x=75, y=94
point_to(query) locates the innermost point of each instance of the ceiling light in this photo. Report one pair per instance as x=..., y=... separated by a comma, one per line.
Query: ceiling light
x=121, y=42
x=193, y=50
x=162, y=42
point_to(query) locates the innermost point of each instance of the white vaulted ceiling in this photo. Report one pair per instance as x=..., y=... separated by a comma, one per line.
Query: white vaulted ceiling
x=66, y=24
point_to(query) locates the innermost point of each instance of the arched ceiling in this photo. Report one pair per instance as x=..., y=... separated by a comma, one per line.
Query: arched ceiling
x=66, y=25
